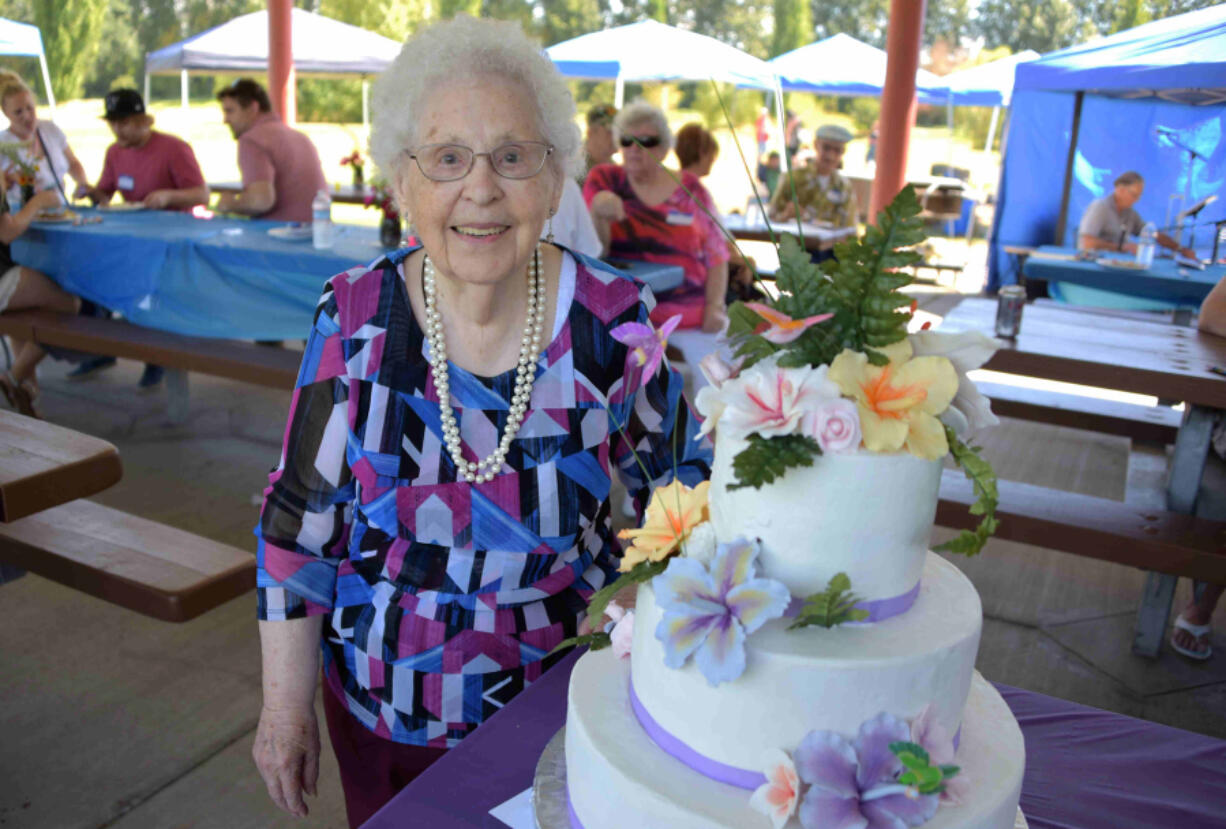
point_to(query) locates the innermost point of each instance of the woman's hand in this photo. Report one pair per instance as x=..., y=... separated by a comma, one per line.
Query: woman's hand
x=608, y=206
x=286, y=752
x=624, y=597
x=45, y=200
x=714, y=319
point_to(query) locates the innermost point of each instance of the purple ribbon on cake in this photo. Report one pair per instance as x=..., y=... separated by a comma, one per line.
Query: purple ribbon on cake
x=878, y=609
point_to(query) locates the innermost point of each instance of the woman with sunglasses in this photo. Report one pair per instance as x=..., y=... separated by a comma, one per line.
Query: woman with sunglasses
x=440, y=510
x=644, y=211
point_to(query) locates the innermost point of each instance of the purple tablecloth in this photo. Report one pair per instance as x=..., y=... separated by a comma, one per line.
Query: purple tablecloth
x=1085, y=768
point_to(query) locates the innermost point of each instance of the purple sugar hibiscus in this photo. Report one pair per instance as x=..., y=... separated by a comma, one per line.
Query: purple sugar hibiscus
x=854, y=785
x=708, y=613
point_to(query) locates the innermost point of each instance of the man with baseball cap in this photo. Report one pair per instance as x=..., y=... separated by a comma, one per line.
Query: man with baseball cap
x=145, y=165
x=822, y=193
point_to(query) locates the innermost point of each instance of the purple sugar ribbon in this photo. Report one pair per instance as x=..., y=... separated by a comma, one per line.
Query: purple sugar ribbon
x=878, y=609
x=724, y=773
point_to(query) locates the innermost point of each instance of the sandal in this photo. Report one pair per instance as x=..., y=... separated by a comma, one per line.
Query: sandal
x=20, y=396
x=1198, y=632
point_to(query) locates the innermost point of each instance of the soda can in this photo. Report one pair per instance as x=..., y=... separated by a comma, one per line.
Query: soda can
x=1010, y=301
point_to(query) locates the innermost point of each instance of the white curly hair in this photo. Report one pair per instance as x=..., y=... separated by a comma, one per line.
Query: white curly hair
x=639, y=111
x=463, y=47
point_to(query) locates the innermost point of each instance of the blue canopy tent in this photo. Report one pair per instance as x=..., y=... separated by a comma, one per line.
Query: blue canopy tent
x=1151, y=99
x=652, y=51
x=323, y=47
x=26, y=41
x=840, y=65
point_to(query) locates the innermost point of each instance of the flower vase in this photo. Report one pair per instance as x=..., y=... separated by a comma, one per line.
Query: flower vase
x=389, y=232
x=359, y=177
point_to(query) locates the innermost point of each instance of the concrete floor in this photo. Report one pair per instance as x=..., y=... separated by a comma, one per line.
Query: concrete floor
x=110, y=719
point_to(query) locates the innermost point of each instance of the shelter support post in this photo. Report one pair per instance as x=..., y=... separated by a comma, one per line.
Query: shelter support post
x=42, y=62
x=987, y=147
x=146, y=89
x=898, y=103
x=1068, y=169
x=366, y=105
x=619, y=92
x=183, y=89
x=281, y=60
x=949, y=122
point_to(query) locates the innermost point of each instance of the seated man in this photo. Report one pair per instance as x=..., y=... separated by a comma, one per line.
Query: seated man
x=145, y=165
x=1108, y=221
x=280, y=166
x=823, y=194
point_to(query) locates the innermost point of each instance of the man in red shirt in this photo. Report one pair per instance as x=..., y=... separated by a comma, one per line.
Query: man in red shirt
x=280, y=166
x=145, y=165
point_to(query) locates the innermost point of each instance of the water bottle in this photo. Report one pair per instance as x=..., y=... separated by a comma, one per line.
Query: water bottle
x=1145, y=247
x=321, y=220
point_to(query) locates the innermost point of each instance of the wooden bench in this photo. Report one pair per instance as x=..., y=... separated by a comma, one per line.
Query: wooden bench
x=141, y=565
x=232, y=359
x=1151, y=424
x=1167, y=542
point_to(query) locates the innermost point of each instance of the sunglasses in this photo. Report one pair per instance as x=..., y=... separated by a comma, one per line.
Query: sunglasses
x=648, y=141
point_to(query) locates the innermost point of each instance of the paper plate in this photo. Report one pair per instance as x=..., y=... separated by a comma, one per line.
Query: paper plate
x=291, y=233
x=59, y=217
x=123, y=206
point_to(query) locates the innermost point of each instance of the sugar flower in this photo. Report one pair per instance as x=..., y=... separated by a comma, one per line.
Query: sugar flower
x=967, y=350
x=768, y=400
x=777, y=797
x=853, y=784
x=899, y=402
x=701, y=544
x=835, y=425
x=646, y=343
x=716, y=369
x=779, y=328
x=938, y=741
x=622, y=635
x=673, y=513
x=707, y=613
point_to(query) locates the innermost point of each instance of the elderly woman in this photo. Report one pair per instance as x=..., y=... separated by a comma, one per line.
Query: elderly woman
x=440, y=510
x=642, y=213
x=43, y=145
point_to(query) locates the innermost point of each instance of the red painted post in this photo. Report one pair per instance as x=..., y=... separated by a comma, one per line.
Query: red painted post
x=903, y=38
x=281, y=82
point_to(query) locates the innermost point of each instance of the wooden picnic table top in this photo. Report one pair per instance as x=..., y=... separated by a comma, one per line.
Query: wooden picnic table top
x=43, y=465
x=341, y=194
x=816, y=237
x=1093, y=349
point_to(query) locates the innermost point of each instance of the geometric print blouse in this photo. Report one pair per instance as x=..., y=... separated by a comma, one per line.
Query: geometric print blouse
x=445, y=597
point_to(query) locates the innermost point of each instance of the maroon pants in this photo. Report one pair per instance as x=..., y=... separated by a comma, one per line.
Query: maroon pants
x=372, y=769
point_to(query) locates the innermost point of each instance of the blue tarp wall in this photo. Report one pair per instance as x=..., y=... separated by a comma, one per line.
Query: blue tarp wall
x=1181, y=58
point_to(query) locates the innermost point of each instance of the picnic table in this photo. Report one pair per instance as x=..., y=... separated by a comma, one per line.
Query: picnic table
x=43, y=465
x=1084, y=767
x=816, y=237
x=1164, y=285
x=1126, y=354
x=221, y=277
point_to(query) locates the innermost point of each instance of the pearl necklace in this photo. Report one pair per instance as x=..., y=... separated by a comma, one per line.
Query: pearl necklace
x=525, y=374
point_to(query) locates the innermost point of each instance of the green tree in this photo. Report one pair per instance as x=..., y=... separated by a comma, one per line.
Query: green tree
x=793, y=26
x=450, y=8
x=1042, y=25
x=564, y=19
x=70, y=30
x=119, y=55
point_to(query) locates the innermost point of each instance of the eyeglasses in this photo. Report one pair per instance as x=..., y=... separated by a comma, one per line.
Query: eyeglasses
x=451, y=162
x=648, y=141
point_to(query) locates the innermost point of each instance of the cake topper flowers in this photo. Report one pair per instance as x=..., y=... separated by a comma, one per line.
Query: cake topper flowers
x=673, y=512
x=647, y=344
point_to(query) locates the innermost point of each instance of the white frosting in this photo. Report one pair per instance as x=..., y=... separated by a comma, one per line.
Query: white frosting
x=817, y=678
x=618, y=778
x=864, y=514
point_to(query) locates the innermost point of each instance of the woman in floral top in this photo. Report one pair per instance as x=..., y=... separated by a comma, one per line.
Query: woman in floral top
x=440, y=511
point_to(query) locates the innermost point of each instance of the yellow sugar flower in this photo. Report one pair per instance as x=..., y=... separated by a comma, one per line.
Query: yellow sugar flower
x=899, y=402
x=673, y=512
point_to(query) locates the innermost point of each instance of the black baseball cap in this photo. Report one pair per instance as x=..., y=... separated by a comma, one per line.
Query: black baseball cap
x=120, y=103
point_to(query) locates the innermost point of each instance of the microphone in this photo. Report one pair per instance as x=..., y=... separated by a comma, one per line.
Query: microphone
x=1173, y=136
x=1166, y=131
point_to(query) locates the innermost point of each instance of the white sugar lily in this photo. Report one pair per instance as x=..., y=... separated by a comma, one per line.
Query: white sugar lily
x=768, y=400
x=967, y=350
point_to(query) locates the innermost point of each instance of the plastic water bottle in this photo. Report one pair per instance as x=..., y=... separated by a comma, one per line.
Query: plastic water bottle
x=1145, y=247
x=322, y=231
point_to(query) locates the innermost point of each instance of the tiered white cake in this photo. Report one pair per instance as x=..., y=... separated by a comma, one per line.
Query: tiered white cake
x=643, y=739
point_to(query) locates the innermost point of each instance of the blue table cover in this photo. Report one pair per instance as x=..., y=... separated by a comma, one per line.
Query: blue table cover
x=215, y=277
x=1163, y=286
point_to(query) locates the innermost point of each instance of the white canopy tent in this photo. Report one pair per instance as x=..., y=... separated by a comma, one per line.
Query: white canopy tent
x=988, y=84
x=322, y=47
x=27, y=41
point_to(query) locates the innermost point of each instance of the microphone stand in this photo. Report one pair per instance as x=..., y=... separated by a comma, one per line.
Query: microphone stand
x=1169, y=134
